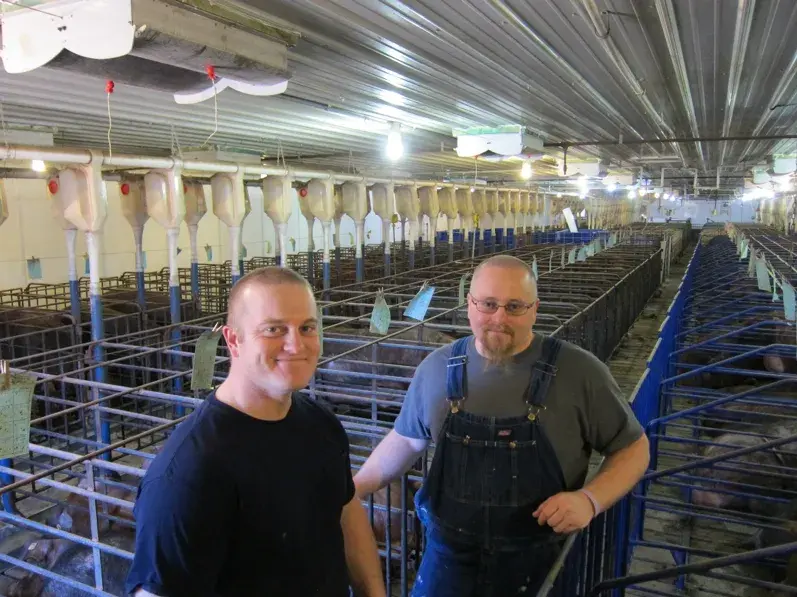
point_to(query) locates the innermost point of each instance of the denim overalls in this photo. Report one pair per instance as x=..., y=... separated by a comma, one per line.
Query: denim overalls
x=487, y=477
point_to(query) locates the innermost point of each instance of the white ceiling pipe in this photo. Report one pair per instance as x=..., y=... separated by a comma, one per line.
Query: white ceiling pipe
x=3, y=204
x=321, y=202
x=337, y=194
x=134, y=209
x=166, y=205
x=430, y=207
x=68, y=156
x=277, y=197
x=304, y=207
x=59, y=203
x=448, y=205
x=195, y=209
x=408, y=207
x=355, y=205
x=465, y=208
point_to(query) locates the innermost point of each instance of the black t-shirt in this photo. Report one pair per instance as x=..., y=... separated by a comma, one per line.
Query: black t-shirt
x=237, y=506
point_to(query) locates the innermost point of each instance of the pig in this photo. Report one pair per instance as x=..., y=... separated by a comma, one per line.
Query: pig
x=392, y=358
x=156, y=312
x=76, y=562
x=73, y=560
x=765, y=481
x=783, y=363
x=744, y=415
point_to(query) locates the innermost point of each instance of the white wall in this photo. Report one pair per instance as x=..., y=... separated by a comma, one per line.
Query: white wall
x=738, y=211
x=31, y=231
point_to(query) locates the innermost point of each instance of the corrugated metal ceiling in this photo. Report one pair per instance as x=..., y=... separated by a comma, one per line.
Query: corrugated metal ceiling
x=569, y=71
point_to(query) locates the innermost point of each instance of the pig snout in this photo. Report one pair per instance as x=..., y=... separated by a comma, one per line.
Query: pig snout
x=711, y=499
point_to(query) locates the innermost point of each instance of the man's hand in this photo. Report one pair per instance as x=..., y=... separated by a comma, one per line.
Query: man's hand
x=566, y=512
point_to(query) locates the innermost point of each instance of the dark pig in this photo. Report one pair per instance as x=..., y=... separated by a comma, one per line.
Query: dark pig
x=753, y=469
x=786, y=361
x=395, y=361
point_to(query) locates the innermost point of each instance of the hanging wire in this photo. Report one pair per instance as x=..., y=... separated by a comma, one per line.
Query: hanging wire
x=211, y=71
x=109, y=85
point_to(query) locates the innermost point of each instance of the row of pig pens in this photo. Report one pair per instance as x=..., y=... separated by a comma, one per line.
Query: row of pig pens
x=716, y=515
x=101, y=409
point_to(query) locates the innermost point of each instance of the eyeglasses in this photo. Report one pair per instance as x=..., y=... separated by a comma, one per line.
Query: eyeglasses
x=490, y=306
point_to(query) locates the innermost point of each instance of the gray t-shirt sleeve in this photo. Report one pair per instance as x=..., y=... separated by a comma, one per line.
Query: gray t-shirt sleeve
x=611, y=424
x=411, y=421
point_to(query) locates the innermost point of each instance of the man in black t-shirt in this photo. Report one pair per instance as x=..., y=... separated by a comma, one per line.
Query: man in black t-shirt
x=253, y=493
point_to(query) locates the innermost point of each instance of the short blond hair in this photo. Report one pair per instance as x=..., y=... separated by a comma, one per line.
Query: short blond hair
x=272, y=275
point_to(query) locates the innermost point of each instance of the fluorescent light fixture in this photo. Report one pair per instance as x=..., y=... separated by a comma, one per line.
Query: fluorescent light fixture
x=392, y=97
x=525, y=170
x=395, y=147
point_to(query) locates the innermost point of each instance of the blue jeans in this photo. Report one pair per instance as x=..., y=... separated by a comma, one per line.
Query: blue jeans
x=452, y=569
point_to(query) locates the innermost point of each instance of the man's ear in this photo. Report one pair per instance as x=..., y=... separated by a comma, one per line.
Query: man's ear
x=232, y=339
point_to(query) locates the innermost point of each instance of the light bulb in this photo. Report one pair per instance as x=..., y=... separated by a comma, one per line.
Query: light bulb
x=37, y=166
x=395, y=148
x=525, y=170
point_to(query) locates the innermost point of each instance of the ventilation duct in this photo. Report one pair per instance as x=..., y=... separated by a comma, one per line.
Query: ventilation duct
x=510, y=140
x=157, y=44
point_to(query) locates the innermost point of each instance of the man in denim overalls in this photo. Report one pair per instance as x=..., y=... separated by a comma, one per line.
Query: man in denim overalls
x=515, y=417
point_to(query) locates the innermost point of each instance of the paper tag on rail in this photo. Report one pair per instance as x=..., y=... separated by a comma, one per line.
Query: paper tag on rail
x=15, y=408
x=462, y=281
x=420, y=303
x=380, y=316
x=571, y=257
x=534, y=269
x=788, y=300
x=762, y=274
x=751, y=265
x=205, y=360
x=34, y=269
x=745, y=249
x=563, y=257
x=582, y=254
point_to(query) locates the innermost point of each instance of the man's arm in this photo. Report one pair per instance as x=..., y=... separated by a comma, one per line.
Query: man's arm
x=619, y=473
x=390, y=459
x=612, y=430
x=362, y=556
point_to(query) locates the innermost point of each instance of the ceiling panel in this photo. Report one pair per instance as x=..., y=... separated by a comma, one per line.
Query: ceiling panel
x=568, y=70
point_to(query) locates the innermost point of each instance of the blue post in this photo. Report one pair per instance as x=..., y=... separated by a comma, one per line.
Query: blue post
x=327, y=266
x=241, y=266
x=74, y=297
x=432, y=254
x=8, y=498
x=194, y=280
x=337, y=263
x=387, y=264
x=360, y=268
x=174, y=307
x=451, y=250
x=412, y=259
x=310, y=266
x=97, y=335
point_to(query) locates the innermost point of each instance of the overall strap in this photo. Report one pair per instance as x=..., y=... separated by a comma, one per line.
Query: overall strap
x=457, y=373
x=542, y=374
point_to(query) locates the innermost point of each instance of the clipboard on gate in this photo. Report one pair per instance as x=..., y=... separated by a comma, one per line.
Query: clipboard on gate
x=16, y=401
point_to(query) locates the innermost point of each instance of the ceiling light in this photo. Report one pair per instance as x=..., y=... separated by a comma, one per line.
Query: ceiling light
x=395, y=147
x=525, y=170
x=37, y=166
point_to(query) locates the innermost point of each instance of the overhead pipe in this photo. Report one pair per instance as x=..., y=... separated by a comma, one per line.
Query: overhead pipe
x=741, y=36
x=664, y=140
x=594, y=14
x=573, y=75
x=669, y=25
x=134, y=209
x=165, y=196
x=784, y=85
x=195, y=210
x=59, y=204
x=68, y=156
